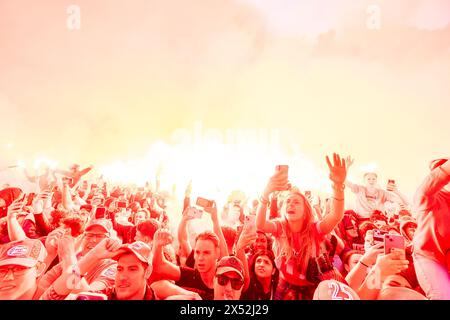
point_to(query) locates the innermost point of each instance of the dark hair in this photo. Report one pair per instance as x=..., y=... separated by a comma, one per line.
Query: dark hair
x=74, y=223
x=347, y=254
x=378, y=215
x=148, y=227
x=255, y=285
x=364, y=227
x=57, y=216
x=268, y=238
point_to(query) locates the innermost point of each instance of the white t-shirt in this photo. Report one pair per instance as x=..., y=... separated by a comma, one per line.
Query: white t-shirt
x=367, y=202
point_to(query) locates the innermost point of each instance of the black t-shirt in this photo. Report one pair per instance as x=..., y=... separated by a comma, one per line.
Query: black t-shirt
x=190, y=279
x=190, y=261
x=256, y=292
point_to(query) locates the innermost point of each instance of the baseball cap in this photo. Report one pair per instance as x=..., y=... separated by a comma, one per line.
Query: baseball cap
x=104, y=223
x=25, y=253
x=334, y=290
x=230, y=264
x=140, y=249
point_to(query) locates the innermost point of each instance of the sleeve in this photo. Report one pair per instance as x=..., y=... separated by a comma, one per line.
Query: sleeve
x=354, y=187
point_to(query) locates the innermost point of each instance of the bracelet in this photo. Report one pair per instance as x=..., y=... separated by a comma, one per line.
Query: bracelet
x=338, y=199
x=365, y=265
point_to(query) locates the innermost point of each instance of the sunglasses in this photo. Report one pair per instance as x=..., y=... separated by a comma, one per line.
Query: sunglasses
x=236, y=283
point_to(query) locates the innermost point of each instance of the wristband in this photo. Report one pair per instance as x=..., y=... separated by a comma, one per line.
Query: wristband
x=365, y=265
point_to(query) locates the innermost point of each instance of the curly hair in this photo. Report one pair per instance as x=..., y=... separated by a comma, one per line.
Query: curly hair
x=75, y=223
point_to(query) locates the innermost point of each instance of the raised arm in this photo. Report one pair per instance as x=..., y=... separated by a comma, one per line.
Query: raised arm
x=338, y=173
x=15, y=230
x=218, y=230
x=348, y=163
x=41, y=207
x=244, y=241
x=30, y=178
x=185, y=247
x=276, y=183
x=66, y=196
x=161, y=266
x=356, y=276
x=433, y=183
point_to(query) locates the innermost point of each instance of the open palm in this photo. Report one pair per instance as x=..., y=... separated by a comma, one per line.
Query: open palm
x=338, y=170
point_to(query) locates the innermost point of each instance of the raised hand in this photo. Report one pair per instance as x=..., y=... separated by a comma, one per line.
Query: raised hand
x=162, y=238
x=338, y=170
x=106, y=248
x=66, y=251
x=15, y=208
x=52, y=240
x=212, y=210
x=278, y=182
x=349, y=161
x=245, y=240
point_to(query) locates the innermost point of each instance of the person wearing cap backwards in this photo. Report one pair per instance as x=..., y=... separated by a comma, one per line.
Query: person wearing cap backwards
x=21, y=265
x=98, y=273
x=431, y=243
x=228, y=279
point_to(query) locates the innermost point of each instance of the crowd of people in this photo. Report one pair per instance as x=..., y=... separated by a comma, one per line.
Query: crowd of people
x=80, y=238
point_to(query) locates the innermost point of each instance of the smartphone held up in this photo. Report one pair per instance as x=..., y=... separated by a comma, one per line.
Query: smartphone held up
x=205, y=203
x=283, y=172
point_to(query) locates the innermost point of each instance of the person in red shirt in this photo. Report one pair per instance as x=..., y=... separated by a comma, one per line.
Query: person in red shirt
x=432, y=237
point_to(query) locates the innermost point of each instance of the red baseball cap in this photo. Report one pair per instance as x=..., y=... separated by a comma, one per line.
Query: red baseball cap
x=25, y=253
x=140, y=249
x=230, y=264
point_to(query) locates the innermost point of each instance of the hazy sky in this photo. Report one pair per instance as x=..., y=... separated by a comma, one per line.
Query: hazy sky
x=138, y=70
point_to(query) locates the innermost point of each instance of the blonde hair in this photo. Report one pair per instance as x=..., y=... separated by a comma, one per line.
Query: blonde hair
x=284, y=244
